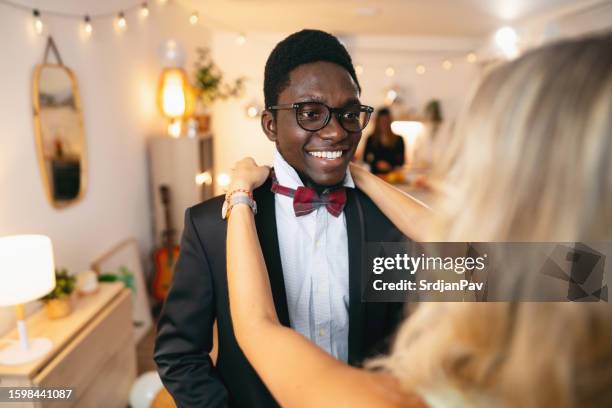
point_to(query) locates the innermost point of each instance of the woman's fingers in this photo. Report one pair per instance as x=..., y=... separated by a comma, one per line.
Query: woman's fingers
x=246, y=174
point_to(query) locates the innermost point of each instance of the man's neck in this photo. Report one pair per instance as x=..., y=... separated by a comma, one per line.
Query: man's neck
x=317, y=187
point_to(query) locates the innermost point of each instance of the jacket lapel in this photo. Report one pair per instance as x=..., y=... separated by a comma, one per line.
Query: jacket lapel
x=265, y=220
x=355, y=234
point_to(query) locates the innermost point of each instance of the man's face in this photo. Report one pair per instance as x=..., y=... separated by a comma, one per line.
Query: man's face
x=321, y=82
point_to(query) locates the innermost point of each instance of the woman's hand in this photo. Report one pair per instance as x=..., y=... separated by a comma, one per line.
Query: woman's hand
x=359, y=174
x=247, y=175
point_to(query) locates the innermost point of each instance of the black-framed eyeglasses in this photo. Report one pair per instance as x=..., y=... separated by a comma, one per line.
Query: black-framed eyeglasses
x=313, y=116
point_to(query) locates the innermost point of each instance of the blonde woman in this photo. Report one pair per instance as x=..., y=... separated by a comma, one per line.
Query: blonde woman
x=531, y=161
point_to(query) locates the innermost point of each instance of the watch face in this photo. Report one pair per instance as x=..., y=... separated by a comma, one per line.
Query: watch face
x=224, y=210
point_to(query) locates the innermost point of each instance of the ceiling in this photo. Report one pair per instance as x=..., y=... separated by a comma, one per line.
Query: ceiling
x=470, y=18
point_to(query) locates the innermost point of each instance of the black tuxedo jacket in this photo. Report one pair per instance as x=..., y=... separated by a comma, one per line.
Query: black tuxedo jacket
x=198, y=296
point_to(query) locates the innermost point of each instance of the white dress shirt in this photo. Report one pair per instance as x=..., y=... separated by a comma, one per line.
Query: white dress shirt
x=314, y=257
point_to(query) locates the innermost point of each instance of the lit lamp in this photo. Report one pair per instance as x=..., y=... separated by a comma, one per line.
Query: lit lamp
x=411, y=130
x=175, y=98
x=27, y=274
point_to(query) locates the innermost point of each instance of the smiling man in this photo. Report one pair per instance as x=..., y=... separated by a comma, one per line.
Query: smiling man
x=312, y=224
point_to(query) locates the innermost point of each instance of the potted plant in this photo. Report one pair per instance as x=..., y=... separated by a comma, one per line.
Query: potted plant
x=58, y=302
x=209, y=86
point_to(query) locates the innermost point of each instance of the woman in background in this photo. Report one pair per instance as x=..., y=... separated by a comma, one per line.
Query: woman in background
x=384, y=149
x=530, y=161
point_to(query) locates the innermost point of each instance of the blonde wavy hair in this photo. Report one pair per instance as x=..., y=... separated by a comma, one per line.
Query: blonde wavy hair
x=530, y=160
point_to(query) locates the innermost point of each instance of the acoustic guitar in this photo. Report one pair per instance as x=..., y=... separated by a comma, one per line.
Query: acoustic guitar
x=166, y=256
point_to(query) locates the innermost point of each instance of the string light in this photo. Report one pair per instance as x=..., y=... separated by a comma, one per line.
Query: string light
x=507, y=40
x=390, y=97
x=38, y=24
x=241, y=39
x=87, y=27
x=203, y=178
x=223, y=180
x=121, y=22
x=144, y=10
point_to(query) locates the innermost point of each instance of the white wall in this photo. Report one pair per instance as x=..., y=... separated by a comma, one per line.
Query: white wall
x=117, y=75
x=237, y=136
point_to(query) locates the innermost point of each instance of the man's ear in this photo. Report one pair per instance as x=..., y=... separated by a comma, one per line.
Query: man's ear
x=268, y=124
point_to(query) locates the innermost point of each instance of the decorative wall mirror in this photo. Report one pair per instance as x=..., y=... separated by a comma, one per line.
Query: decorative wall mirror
x=60, y=134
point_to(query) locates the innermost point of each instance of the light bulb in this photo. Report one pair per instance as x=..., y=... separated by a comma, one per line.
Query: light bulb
x=203, y=178
x=471, y=58
x=144, y=10
x=358, y=69
x=38, y=24
x=223, y=180
x=194, y=18
x=391, y=96
x=420, y=69
x=87, y=26
x=175, y=128
x=507, y=40
x=447, y=65
x=241, y=39
x=121, y=22
x=390, y=71
x=252, y=111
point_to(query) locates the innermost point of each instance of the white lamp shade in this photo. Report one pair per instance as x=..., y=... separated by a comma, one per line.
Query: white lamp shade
x=27, y=270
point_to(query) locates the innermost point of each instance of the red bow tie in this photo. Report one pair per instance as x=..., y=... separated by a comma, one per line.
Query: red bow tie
x=306, y=199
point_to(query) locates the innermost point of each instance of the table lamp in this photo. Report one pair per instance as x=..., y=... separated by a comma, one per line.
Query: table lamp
x=26, y=274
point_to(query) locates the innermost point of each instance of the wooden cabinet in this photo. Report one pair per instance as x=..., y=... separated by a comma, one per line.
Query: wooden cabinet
x=93, y=352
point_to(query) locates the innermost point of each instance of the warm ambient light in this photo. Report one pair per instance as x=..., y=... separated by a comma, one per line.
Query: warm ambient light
x=87, y=26
x=447, y=65
x=175, y=128
x=175, y=98
x=471, y=58
x=223, y=180
x=203, y=178
x=121, y=22
x=507, y=39
x=144, y=10
x=420, y=69
x=252, y=111
x=359, y=69
x=28, y=274
x=241, y=39
x=38, y=24
x=194, y=18
x=390, y=71
x=410, y=130
x=390, y=96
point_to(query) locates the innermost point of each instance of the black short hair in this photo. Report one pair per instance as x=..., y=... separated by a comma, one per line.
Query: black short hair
x=384, y=111
x=300, y=48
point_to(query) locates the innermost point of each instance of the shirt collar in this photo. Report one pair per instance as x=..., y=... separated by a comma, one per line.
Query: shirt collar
x=288, y=177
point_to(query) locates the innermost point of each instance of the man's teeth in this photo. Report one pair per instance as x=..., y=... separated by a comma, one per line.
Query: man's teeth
x=327, y=155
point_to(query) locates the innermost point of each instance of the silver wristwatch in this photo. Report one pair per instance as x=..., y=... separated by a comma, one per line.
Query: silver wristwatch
x=237, y=199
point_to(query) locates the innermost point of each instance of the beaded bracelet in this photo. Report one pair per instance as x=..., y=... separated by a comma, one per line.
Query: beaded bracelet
x=228, y=196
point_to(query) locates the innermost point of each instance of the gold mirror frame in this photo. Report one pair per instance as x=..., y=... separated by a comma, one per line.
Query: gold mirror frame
x=38, y=130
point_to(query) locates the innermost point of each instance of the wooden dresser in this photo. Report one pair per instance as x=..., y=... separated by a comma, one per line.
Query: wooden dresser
x=93, y=352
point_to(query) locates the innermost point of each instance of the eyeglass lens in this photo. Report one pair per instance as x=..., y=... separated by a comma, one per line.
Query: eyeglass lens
x=314, y=116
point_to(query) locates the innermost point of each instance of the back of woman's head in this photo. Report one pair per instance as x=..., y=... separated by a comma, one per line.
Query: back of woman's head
x=531, y=155
x=531, y=160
